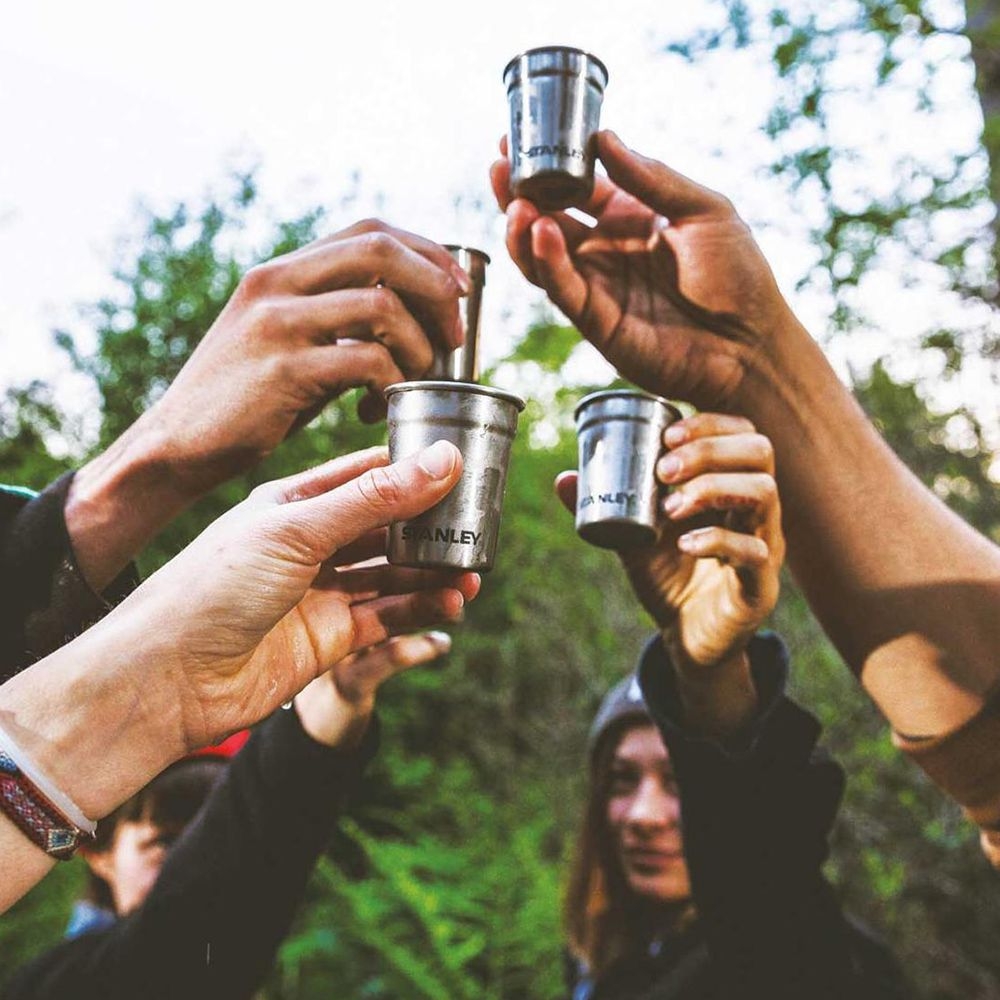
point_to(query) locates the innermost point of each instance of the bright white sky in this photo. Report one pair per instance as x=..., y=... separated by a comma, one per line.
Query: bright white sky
x=111, y=102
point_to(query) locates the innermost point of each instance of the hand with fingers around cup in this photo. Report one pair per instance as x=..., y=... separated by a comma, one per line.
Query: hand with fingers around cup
x=669, y=284
x=295, y=578
x=271, y=596
x=712, y=577
x=361, y=308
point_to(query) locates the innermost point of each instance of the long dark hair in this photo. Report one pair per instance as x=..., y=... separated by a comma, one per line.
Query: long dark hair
x=604, y=919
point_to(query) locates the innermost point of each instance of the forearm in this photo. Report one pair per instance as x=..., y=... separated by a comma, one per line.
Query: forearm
x=96, y=721
x=906, y=590
x=718, y=700
x=122, y=499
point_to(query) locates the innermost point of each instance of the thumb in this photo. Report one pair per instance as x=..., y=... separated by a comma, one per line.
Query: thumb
x=565, y=485
x=666, y=191
x=321, y=525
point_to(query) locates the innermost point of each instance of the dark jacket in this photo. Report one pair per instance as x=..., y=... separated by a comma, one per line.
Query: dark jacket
x=756, y=814
x=225, y=899
x=45, y=599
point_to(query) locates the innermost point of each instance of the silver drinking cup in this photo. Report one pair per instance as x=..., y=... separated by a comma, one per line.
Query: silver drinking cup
x=619, y=436
x=461, y=531
x=555, y=96
x=462, y=364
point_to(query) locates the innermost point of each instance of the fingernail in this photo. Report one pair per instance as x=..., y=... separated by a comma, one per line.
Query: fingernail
x=440, y=639
x=674, y=435
x=673, y=503
x=438, y=460
x=693, y=540
x=687, y=543
x=668, y=467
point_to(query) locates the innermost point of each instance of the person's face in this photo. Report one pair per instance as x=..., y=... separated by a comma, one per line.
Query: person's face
x=132, y=863
x=644, y=817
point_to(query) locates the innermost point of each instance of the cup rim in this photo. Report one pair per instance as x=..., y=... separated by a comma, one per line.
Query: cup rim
x=593, y=397
x=448, y=386
x=451, y=247
x=558, y=48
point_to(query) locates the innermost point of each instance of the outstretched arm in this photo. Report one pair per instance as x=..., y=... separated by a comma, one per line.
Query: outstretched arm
x=671, y=287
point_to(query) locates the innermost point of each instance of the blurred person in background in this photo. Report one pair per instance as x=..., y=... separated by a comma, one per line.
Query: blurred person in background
x=670, y=286
x=698, y=867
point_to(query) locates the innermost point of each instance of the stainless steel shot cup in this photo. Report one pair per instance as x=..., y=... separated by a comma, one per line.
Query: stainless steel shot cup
x=462, y=364
x=461, y=531
x=555, y=96
x=619, y=436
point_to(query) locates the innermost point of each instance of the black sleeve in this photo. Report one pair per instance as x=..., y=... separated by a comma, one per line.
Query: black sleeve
x=228, y=892
x=756, y=814
x=46, y=601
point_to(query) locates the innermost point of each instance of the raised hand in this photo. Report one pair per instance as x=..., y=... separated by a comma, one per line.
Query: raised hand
x=360, y=308
x=712, y=577
x=670, y=285
x=335, y=708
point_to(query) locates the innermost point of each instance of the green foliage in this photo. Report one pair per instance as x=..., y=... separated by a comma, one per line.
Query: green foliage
x=897, y=48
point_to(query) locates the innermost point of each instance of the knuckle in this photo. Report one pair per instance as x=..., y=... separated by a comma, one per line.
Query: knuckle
x=268, y=316
x=723, y=203
x=260, y=278
x=378, y=245
x=264, y=492
x=381, y=487
x=768, y=489
x=371, y=225
x=763, y=450
x=383, y=301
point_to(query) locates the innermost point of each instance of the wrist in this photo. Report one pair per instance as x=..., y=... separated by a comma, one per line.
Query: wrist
x=718, y=699
x=328, y=719
x=122, y=499
x=97, y=716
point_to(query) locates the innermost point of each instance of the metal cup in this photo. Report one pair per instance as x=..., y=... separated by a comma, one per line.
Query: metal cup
x=555, y=96
x=619, y=435
x=462, y=364
x=461, y=531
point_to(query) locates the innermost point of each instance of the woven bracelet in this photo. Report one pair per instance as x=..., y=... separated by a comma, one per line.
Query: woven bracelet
x=33, y=814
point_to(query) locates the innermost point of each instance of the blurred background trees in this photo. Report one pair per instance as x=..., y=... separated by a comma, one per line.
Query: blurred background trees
x=445, y=883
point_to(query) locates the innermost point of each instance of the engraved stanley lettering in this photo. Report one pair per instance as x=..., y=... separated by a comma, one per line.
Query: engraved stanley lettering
x=559, y=149
x=451, y=536
x=615, y=498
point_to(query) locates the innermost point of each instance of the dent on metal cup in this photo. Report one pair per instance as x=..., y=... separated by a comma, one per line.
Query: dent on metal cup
x=555, y=96
x=462, y=364
x=461, y=531
x=619, y=437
